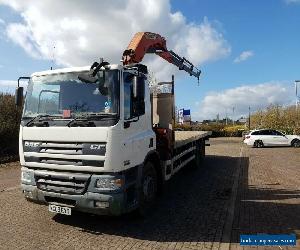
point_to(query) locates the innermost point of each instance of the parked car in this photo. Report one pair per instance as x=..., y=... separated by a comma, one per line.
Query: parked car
x=270, y=137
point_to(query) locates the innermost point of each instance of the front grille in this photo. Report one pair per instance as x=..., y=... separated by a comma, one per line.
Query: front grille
x=61, y=161
x=65, y=153
x=61, y=148
x=65, y=183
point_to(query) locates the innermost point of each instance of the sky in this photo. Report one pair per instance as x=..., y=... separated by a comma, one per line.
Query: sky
x=248, y=51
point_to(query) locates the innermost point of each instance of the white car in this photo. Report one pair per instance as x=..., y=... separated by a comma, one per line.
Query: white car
x=270, y=137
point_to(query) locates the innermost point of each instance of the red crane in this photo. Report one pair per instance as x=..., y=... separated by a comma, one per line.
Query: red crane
x=147, y=42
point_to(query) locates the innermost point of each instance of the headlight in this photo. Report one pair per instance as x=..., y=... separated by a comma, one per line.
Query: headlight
x=109, y=183
x=26, y=176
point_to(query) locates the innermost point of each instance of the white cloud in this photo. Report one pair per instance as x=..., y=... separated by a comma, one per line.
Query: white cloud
x=9, y=86
x=81, y=31
x=21, y=35
x=256, y=96
x=244, y=56
x=2, y=28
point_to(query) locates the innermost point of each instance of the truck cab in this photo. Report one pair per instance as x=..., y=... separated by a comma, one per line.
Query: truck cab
x=78, y=140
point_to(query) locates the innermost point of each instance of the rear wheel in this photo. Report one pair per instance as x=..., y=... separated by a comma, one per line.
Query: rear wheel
x=148, y=191
x=199, y=155
x=296, y=143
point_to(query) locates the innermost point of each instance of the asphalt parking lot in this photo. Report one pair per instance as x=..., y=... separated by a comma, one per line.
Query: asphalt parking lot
x=238, y=190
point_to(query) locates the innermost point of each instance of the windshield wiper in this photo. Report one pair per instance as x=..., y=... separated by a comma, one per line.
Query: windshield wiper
x=81, y=121
x=37, y=118
x=87, y=118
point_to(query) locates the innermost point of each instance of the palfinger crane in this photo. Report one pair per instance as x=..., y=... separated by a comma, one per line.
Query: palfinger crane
x=141, y=44
x=146, y=42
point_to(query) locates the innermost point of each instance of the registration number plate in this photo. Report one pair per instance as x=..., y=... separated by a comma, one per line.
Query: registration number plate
x=59, y=209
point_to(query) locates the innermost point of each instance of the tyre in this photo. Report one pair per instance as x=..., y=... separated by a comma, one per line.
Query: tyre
x=199, y=155
x=148, y=192
x=296, y=143
x=201, y=152
x=258, y=144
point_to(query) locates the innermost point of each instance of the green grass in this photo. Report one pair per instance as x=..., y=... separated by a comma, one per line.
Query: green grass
x=9, y=125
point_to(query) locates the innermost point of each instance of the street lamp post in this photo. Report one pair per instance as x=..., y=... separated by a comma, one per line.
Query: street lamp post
x=296, y=93
x=249, y=119
x=226, y=117
x=297, y=102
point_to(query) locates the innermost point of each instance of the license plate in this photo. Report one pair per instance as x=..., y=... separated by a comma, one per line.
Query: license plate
x=59, y=209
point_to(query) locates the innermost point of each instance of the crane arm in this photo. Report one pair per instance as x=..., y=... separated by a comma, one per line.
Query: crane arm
x=147, y=42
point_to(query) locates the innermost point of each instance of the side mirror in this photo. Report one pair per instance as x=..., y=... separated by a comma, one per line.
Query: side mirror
x=19, y=92
x=138, y=86
x=135, y=86
x=90, y=76
x=19, y=96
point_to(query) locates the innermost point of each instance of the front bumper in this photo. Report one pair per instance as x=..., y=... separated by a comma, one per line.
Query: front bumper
x=102, y=201
x=83, y=203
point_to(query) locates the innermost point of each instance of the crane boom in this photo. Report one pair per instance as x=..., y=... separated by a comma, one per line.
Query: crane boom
x=147, y=42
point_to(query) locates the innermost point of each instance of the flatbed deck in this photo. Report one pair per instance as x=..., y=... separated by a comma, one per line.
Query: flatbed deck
x=184, y=137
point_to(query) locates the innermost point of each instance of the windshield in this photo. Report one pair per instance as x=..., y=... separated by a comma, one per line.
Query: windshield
x=65, y=96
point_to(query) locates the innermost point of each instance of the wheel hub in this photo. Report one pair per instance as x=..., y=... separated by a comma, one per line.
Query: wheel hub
x=297, y=144
x=148, y=188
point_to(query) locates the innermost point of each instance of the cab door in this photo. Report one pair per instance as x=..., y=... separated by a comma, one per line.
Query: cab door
x=135, y=129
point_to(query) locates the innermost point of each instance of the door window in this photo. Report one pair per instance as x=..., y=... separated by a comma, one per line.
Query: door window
x=277, y=133
x=133, y=107
x=266, y=132
x=127, y=100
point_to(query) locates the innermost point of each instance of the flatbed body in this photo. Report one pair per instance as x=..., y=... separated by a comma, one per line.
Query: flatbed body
x=185, y=137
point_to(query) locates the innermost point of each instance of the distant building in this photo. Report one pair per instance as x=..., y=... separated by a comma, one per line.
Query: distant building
x=242, y=120
x=184, y=116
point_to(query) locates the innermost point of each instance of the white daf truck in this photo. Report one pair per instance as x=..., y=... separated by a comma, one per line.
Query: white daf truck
x=100, y=140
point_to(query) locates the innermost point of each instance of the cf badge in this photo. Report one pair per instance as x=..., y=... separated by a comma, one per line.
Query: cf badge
x=31, y=144
x=95, y=146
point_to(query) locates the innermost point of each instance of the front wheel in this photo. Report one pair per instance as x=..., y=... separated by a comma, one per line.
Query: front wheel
x=258, y=144
x=296, y=144
x=148, y=190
